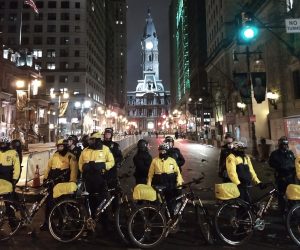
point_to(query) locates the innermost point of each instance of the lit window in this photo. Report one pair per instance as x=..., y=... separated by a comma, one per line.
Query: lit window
x=121, y=22
x=51, y=66
x=38, y=53
x=117, y=22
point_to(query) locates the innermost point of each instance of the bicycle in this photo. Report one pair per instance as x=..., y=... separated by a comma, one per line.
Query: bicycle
x=293, y=223
x=150, y=224
x=14, y=214
x=70, y=217
x=236, y=220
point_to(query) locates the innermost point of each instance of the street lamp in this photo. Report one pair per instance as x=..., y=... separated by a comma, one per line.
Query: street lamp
x=273, y=97
x=31, y=86
x=199, y=101
x=241, y=106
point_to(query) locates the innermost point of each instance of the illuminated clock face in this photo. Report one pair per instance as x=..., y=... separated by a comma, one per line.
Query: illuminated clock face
x=149, y=45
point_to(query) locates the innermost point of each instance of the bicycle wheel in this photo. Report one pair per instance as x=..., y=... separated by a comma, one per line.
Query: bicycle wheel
x=234, y=222
x=66, y=221
x=206, y=226
x=122, y=215
x=10, y=219
x=293, y=223
x=146, y=227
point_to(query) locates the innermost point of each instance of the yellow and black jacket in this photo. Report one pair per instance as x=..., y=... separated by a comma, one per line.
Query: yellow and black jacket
x=164, y=172
x=10, y=168
x=297, y=166
x=97, y=156
x=240, y=169
x=58, y=164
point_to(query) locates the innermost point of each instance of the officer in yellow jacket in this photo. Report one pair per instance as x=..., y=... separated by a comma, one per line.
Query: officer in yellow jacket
x=62, y=164
x=240, y=170
x=297, y=166
x=164, y=171
x=93, y=162
x=10, y=168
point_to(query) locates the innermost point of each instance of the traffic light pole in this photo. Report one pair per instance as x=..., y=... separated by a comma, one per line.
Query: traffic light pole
x=251, y=124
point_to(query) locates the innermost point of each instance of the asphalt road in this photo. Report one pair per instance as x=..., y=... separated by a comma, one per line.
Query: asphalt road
x=188, y=237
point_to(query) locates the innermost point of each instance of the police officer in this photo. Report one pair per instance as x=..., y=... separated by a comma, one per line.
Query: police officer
x=72, y=145
x=93, y=162
x=85, y=141
x=226, y=150
x=61, y=164
x=240, y=171
x=114, y=147
x=10, y=168
x=283, y=162
x=164, y=171
x=112, y=174
x=142, y=161
x=174, y=152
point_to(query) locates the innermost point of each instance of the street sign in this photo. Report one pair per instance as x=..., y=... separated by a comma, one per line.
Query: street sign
x=252, y=118
x=292, y=25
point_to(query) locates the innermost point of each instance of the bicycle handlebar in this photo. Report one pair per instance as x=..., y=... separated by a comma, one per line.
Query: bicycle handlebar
x=194, y=181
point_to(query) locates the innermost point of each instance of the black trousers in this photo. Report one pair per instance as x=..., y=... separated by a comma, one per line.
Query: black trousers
x=282, y=183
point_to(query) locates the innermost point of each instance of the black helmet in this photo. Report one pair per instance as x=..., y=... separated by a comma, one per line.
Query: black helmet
x=16, y=143
x=283, y=140
x=169, y=139
x=109, y=130
x=73, y=138
x=85, y=141
x=142, y=144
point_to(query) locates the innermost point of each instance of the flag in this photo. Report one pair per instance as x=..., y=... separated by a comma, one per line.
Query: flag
x=62, y=108
x=32, y=5
x=21, y=100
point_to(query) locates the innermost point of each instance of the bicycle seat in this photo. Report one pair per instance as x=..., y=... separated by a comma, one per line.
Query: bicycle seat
x=159, y=188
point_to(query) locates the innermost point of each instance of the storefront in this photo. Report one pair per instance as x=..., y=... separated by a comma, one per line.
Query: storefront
x=292, y=131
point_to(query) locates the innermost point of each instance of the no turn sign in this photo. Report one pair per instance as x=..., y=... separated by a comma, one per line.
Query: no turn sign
x=292, y=25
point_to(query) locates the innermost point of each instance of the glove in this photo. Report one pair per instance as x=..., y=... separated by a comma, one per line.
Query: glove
x=262, y=185
x=99, y=166
x=87, y=166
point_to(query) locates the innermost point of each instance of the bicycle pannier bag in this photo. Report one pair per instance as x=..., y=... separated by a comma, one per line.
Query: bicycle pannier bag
x=226, y=191
x=293, y=192
x=144, y=192
x=64, y=188
x=5, y=187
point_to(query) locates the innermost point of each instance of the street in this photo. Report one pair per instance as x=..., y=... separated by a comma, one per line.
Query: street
x=273, y=237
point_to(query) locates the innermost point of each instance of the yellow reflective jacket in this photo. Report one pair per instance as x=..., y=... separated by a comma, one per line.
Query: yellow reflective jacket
x=232, y=162
x=57, y=161
x=10, y=159
x=97, y=155
x=297, y=166
x=160, y=166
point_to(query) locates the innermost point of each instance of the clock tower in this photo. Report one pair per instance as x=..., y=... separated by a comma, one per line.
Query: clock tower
x=150, y=102
x=150, y=48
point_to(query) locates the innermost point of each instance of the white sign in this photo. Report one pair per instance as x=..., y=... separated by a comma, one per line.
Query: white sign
x=292, y=25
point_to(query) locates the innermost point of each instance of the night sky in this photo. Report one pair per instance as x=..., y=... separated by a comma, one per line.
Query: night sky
x=136, y=20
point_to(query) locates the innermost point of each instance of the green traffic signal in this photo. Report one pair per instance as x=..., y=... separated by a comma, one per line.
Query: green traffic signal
x=248, y=33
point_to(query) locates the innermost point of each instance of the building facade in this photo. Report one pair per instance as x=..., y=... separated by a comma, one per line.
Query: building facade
x=273, y=53
x=68, y=40
x=116, y=55
x=148, y=106
x=189, y=87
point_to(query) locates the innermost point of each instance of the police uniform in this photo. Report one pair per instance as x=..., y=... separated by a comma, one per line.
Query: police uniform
x=10, y=168
x=283, y=161
x=76, y=151
x=59, y=164
x=297, y=165
x=241, y=172
x=93, y=162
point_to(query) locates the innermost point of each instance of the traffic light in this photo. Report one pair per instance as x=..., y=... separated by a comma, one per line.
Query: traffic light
x=247, y=28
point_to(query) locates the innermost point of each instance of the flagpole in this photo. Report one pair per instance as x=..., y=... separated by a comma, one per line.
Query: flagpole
x=21, y=24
